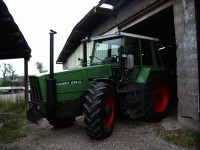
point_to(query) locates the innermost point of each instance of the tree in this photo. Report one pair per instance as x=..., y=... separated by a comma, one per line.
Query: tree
x=40, y=67
x=7, y=71
x=9, y=76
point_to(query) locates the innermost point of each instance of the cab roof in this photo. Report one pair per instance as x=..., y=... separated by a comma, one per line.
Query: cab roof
x=119, y=34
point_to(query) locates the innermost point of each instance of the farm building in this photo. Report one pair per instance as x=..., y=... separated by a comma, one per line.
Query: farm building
x=174, y=22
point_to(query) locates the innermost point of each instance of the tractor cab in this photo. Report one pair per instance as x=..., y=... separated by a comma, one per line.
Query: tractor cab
x=134, y=54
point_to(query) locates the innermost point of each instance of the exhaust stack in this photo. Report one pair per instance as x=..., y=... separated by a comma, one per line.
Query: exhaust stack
x=52, y=53
x=51, y=82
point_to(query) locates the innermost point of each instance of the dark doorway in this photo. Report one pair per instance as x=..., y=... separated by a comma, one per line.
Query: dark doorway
x=161, y=26
x=197, y=12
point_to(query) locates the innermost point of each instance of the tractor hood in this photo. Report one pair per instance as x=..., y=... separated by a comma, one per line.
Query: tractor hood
x=71, y=84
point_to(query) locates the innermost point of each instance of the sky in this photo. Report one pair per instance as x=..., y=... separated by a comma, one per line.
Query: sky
x=35, y=18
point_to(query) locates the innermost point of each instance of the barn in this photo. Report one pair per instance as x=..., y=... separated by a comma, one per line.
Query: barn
x=174, y=22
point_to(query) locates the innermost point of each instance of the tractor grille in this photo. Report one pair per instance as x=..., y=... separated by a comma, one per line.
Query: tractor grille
x=36, y=94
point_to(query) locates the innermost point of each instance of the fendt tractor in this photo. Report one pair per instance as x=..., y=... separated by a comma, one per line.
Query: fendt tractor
x=125, y=74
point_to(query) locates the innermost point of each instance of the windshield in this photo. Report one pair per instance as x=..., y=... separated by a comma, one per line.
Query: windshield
x=106, y=51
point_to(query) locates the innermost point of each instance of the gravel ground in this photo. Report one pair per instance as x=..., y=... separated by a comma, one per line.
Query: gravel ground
x=128, y=135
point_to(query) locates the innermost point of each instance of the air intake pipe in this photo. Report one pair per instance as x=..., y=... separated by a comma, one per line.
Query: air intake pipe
x=84, y=42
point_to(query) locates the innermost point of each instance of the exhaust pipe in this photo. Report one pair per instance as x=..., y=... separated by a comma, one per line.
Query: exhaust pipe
x=51, y=82
x=52, y=53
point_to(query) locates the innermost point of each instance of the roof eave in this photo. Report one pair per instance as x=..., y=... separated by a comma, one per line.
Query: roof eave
x=83, y=30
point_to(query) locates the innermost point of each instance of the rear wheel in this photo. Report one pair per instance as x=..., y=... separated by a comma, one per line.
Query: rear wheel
x=61, y=122
x=99, y=111
x=157, y=98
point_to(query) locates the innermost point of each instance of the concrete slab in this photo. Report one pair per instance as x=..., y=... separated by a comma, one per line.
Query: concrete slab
x=171, y=123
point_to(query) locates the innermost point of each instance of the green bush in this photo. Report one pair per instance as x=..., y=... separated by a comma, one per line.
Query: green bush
x=20, y=103
x=7, y=106
x=12, y=129
x=12, y=115
x=16, y=106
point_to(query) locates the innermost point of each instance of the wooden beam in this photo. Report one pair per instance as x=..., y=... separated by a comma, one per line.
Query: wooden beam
x=26, y=96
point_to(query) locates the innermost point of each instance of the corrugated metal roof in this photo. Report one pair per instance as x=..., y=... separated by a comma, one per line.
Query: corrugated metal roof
x=12, y=41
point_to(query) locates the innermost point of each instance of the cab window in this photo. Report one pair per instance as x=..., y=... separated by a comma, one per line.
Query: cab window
x=146, y=53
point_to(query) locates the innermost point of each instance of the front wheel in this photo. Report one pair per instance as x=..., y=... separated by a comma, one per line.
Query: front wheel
x=99, y=111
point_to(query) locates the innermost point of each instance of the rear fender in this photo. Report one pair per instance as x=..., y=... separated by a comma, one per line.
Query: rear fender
x=143, y=75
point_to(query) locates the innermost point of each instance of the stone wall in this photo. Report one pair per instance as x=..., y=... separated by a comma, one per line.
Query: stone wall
x=187, y=64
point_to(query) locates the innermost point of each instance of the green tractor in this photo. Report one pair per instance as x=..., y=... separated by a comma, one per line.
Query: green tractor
x=126, y=74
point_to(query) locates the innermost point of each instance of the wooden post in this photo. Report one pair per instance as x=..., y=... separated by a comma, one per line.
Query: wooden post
x=26, y=81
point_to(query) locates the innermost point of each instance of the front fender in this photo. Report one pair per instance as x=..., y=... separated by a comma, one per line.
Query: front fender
x=106, y=80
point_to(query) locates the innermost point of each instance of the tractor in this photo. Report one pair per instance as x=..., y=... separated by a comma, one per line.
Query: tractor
x=125, y=75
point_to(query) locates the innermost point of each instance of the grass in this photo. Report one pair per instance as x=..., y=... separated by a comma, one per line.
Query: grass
x=12, y=130
x=12, y=116
x=182, y=137
x=16, y=106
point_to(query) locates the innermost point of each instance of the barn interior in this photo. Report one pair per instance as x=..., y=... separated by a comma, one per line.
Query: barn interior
x=161, y=26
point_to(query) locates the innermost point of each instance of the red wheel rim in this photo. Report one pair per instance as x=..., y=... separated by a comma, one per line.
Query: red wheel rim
x=108, y=120
x=160, y=98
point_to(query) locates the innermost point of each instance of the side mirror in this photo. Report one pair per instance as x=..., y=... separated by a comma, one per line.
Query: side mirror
x=129, y=63
x=79, y=59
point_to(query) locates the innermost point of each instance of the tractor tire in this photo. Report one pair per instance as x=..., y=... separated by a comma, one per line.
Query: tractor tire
x=61, y=122
x=99, y=111
x=157, y=97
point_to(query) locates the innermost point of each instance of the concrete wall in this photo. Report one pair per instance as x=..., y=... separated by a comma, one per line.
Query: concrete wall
x=187, y=64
